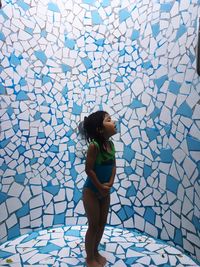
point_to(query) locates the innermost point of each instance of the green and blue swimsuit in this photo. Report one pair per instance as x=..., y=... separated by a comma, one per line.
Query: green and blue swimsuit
x=103, y=166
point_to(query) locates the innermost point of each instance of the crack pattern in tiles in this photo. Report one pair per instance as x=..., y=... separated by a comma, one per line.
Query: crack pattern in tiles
x=60, y=60
x=64, y=246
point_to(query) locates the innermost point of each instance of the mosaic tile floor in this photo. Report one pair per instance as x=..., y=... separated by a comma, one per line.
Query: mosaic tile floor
x=64, y=246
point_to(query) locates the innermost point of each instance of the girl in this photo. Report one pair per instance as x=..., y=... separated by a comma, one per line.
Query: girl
x=100, y=168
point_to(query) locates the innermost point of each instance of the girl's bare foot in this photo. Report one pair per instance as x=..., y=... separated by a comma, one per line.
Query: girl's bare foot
x=93, y=263
x=102, y=260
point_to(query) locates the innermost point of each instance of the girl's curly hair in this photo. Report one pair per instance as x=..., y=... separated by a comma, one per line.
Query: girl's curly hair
x=93, y=127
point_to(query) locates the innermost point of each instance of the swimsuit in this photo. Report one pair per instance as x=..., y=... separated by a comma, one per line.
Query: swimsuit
x=103, y=166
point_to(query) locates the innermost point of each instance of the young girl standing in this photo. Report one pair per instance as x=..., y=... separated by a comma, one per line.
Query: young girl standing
x=100, y=168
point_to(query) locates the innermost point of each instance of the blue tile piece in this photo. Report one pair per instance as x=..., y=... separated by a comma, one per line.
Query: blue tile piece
x=193, y=144
x=14, y=60
x=46, y=79
x=19, y=178
x=2, y=36
x=77, y=194
x=96, y=18
x=174, y=87
x=23, y=211
x=119, y=79
x=87, y=62
x=128, y=154
x=155, y=29
x=5, y=254
x=124, y=14
x=89, y=2
x=129, y=211
x=41, y=56
x=147, y=65
x=122, y=215
x=2, y=90
x=152, y=133
x=105, y=3
x=147, y=171
x=181, y=30
x=72, y=232
x=53, y=7
x=3, y=197
x=53, y=189
x=22, y=95
x=131, y=191
x=33, y=161
x=43, y=33
x=13, y=231
x=10, y=111
x=135, y=35
x=155, y=113
x=128, y=170
x=22, y=82
x=166, y=155
x=136, y=104
x=166, y=7
x=21, y=149
x=178, y=238
x=3, y=14
x=150, y=215
x=65, y=68
x=160, y=81
x=37, y=115
x=76, y=109
x=4, y=142
x=172, y=184
x=29, y=30
x=100, y=42
x=49, y=248
x=184, y=110
x=70, y=43
x=54, y=149
x=16, y=127
x=47, y=161
x=122, y=52
x=23, y=5
x=196, y=222
x=41, y=135
x=3, y=167
x=59, y=219
x=64, y=91
x=31, y=236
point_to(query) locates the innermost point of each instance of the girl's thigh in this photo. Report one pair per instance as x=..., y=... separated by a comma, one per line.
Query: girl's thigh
x=104, y=208
x=92, y=207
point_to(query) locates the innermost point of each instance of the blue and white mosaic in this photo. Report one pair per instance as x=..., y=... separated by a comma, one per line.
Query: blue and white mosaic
x=61, y=60
x=65, y=247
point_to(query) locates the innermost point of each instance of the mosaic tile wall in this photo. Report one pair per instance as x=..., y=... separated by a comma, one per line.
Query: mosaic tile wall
x=61, y=60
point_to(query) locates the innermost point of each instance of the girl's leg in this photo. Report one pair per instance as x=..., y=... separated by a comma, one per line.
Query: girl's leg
x=91, y=205
x=104, y=208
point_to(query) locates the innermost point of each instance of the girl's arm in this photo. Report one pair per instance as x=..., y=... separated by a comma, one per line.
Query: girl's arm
x=89, y=168
x=111, y=181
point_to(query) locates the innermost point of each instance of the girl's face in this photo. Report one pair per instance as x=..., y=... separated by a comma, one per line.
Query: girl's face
x=109, y=127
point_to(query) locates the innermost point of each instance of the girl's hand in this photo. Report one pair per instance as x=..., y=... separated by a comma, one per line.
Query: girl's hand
x=104, y=190
x=108, y=184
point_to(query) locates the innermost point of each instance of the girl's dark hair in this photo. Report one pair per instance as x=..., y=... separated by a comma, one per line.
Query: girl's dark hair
x=93, y=125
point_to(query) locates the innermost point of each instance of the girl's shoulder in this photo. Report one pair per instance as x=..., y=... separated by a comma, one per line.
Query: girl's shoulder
x=94, y=145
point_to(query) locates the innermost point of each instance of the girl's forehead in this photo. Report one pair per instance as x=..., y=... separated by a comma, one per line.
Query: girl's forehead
x=107, y=116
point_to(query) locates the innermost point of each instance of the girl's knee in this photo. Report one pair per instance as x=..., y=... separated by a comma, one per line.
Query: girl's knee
x=102, y=226
x=93, y=228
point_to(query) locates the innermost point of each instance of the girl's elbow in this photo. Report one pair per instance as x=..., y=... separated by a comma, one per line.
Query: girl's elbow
x=88, y=171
